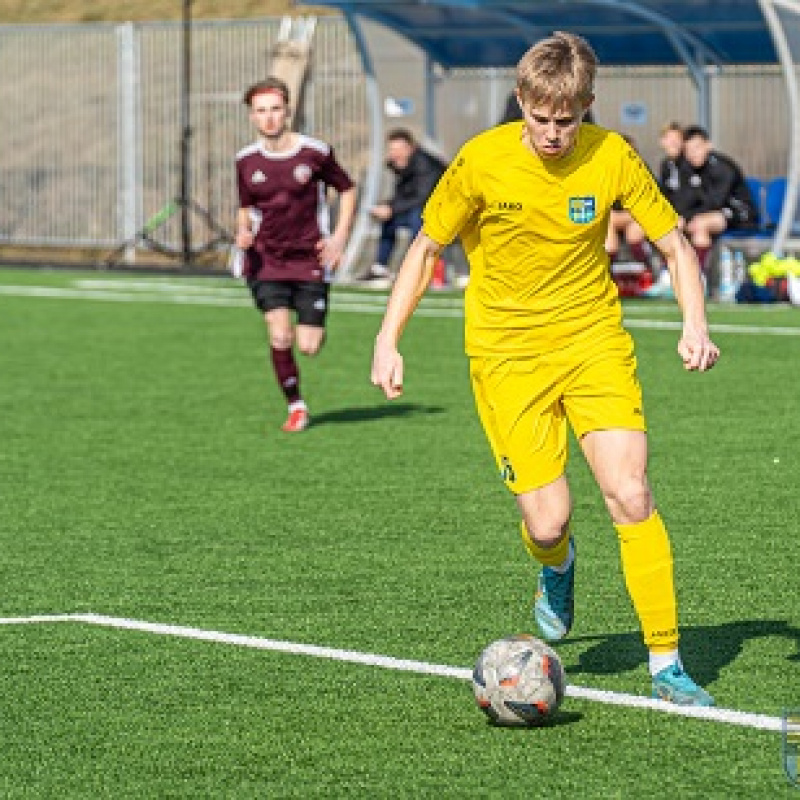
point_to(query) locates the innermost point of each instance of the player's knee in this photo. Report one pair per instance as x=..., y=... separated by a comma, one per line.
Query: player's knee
x=546, y=512
x=546, y=530
x=310, y=345
x=309, y=348
x=630, y=500
x=702, y=238
x=281, y=341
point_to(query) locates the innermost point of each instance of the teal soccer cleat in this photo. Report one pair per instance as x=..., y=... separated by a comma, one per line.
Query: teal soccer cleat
x=675, y=686
x=554, y=605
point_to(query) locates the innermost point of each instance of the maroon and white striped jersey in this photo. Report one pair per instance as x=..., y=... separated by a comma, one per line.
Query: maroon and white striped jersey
x=286, y=195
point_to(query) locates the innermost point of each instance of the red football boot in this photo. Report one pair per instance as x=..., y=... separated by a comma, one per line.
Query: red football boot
x=298, y=421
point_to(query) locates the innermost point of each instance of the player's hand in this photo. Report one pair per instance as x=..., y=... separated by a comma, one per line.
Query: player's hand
x=330, y=251
x=382, y=212
x=697, y=351
x=244, y=239
x=236, y=259
x=387, y=369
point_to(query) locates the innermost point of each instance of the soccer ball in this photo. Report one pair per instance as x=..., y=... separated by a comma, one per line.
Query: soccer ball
x=519, y=681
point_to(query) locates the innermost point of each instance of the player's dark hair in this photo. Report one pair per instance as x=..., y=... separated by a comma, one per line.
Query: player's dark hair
x=271, y=84
x=401, y=135
x=695, y=130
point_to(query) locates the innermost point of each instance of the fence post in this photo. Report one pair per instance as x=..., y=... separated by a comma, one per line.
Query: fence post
x=127, y=140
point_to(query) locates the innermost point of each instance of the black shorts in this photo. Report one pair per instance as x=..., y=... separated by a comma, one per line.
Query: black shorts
x=308, y=298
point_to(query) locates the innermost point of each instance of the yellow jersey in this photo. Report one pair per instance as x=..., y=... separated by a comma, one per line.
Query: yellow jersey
x=533, y=231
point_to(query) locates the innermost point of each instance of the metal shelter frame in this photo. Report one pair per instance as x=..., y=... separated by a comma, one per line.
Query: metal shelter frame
x=703, y=35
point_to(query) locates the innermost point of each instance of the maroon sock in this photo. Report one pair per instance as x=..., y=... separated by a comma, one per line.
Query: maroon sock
x=702, y=256
x=287, y=373
x=639, y=253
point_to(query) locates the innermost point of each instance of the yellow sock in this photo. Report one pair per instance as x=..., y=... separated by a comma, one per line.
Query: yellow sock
x=549, y=556
x=647, y=566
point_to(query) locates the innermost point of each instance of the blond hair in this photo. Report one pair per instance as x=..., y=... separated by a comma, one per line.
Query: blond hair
x=672, y=126
x=558, y=72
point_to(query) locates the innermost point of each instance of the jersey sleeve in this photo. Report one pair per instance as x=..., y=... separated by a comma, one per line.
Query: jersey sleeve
x=245, y=198
x=453, y=202
x=639, y=193
x=333, y=174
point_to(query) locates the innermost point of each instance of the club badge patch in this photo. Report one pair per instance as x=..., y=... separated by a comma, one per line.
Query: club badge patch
x=302, y=173
x=581, y=209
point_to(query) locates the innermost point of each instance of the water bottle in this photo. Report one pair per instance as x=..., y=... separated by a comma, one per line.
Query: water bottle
x=739, y=269
x=726, y=292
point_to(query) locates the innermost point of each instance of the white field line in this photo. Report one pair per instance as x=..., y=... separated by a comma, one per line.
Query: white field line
x=722, y=715
x=378, y=298
x=181, y=287
x=168, y=287
x=37, y=618
x=357, y=303
x=114, y=296
x=716, y=327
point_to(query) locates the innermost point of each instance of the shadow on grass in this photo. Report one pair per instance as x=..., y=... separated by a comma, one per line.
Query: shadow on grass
x=372, y=413
x=705, y=649
x=556, y=721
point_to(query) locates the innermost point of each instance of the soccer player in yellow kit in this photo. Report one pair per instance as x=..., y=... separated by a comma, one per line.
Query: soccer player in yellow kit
x=544, y=336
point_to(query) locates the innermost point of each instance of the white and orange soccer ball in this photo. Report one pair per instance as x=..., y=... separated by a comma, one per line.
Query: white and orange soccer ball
x=519, y=681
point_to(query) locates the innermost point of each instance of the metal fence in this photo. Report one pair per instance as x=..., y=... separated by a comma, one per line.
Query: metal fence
x=90, y=140
x=750, y=118
x=90, y=145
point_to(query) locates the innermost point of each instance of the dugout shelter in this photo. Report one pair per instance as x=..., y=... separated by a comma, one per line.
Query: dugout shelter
x=702, y=35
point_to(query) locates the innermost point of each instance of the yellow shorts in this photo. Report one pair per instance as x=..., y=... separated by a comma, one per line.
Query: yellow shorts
x=525, y=404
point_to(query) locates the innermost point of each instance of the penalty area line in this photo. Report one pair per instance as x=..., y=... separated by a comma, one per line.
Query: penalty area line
x=713, y=714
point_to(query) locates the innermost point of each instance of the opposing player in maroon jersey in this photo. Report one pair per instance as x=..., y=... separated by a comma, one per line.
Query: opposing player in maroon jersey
x=282, y=228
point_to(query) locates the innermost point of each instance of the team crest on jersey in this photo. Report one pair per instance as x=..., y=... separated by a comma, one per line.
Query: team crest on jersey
x=302, y=173
x=582, y=209
x=258, y=177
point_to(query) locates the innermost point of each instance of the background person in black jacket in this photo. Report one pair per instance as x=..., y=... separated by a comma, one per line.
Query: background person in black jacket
x=416, y=172
x=717, y=197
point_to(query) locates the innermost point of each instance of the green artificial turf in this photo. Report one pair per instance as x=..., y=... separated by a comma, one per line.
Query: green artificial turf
x=144, y=476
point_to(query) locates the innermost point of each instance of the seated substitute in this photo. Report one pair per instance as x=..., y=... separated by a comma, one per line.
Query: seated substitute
x=416, y=172
x=717, y=197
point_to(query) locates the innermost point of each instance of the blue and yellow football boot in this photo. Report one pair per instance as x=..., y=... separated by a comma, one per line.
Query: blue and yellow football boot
x=554, y=604
x=673, y=685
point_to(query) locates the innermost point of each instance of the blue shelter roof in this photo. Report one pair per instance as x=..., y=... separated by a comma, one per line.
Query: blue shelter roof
x=492, y=33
